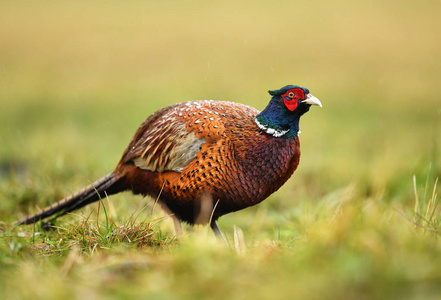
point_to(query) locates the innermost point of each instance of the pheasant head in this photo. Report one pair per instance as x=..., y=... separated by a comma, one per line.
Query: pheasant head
x=281, y=117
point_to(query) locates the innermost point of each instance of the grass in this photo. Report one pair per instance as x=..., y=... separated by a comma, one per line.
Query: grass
x=357, y=248
x=360, y=218
x=426, y=210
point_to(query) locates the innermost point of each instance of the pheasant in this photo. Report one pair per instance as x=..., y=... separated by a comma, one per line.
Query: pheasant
x=205, y=159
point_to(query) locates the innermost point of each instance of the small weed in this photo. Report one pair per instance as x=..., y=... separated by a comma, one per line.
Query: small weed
x=90, y=235
x=427, y=213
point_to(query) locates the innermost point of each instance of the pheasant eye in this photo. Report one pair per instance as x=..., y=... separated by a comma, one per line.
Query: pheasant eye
x=291, y=95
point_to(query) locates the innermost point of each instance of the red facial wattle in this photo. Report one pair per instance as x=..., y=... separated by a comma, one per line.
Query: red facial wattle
x=291, y=98
x=291, y=104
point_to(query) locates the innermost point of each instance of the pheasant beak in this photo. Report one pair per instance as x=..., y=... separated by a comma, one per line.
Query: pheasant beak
x=310, y=99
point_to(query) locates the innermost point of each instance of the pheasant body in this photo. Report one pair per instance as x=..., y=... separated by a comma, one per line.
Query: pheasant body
x=204, y=159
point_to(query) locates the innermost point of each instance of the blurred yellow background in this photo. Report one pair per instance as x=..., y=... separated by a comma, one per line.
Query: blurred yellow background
x=77, y=78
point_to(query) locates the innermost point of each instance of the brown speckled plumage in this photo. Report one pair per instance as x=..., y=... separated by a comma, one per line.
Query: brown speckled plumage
x=203, y=159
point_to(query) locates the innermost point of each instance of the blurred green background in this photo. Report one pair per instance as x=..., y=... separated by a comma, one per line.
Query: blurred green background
x=77, y=79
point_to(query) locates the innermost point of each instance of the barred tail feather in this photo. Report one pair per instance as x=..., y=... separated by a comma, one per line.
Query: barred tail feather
x=107, y=185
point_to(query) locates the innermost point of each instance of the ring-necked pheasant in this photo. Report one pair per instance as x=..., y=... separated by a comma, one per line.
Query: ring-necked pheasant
x=204, y=159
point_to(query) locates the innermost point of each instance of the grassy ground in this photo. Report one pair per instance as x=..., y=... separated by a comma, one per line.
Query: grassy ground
x=76, y=79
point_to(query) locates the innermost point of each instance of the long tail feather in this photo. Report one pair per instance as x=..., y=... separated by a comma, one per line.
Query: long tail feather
x=107, y=185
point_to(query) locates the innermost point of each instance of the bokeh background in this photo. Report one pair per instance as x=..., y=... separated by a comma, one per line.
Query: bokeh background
x=77, y=79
